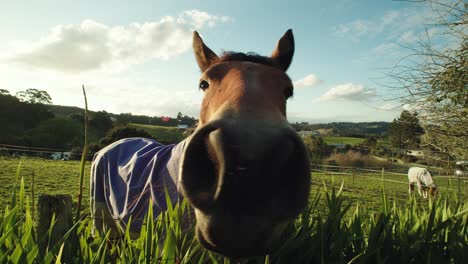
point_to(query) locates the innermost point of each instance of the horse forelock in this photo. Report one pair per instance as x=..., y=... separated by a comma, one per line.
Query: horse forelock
x=248, y=57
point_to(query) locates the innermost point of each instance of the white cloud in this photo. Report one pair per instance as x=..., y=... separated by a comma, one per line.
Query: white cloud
x=411, y=107
x=348, y=91
x=114, y=92
x=358, y=28
x=200, y=18
x=149, y=101
x=309, y=80
x=390, y=106
x=92, y=45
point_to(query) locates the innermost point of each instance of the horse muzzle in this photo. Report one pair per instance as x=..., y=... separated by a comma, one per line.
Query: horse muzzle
x=260, y=174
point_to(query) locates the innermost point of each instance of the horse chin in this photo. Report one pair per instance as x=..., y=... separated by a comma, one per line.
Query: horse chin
x=238, y=237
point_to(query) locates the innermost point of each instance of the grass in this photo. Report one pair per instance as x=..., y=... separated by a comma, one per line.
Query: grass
x=165, y=135
x=343, y=140
x=346, y=222
x=62, y=177
x=51, y=177
x=364, y=189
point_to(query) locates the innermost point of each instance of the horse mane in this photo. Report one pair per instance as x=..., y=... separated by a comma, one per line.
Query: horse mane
x=248, y=57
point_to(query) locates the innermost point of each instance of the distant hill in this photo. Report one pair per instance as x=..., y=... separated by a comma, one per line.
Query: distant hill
x=66, y=111
x=348, y=129
x=57, y=126
x=125, y=118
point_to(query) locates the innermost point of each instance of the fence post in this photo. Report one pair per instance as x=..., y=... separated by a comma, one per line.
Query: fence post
x=60, y=206
x=352, y=173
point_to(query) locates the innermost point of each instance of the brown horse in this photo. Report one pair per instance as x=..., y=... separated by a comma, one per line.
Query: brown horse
x=244, y=169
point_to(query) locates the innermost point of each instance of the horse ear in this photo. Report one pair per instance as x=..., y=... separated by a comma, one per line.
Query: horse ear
x=204, y=55
x=284, y=50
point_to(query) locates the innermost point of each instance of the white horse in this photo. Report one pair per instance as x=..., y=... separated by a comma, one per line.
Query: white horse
x=423, y=179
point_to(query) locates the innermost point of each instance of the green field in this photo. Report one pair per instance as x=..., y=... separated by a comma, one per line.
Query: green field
x=343, y=140
x=165, y=135
x=61, y=177
x=365, y=188
x=50, y=177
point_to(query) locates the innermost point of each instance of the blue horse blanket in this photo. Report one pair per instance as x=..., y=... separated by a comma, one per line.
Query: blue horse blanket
x=129, y=173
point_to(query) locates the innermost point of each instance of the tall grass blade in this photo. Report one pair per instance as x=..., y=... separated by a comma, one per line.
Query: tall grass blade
x=83, y=157
x=59, y=256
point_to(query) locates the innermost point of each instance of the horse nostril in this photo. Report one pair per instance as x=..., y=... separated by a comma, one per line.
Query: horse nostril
x=201, y=166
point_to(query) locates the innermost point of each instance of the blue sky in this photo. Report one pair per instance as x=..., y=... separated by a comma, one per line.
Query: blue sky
x=135, y=56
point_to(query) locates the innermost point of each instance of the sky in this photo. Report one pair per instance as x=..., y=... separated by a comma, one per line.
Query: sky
x=136, y=56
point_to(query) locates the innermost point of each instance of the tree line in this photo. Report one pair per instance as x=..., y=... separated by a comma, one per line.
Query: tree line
x=30, y=119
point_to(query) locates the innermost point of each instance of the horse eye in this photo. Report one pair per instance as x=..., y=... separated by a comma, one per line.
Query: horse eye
x=203, y=85
x=288, y=92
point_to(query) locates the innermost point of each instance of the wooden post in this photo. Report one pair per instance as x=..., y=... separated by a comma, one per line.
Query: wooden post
x=61, y=207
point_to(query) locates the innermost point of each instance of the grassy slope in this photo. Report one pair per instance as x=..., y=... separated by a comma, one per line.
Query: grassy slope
x=343, y=140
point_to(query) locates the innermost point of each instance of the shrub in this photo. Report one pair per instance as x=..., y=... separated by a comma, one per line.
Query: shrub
x=316, y=147
x=121, y=132
x=356, y=159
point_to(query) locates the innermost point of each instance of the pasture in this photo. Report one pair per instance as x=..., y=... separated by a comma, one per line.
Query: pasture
x=361, y=187
x=50, y=177
x=364, y=187
x=358, y=224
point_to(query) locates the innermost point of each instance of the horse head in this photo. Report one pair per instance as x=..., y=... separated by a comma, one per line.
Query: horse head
x=244, y=169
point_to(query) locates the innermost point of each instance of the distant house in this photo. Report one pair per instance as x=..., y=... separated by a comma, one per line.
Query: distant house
x=182, y=127
x=412, y=152
x=338, y=145
x=61, y=156
x=307, y=133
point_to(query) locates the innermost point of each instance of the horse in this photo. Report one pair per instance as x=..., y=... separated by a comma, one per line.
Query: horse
x=244, y=170
x=423, y=179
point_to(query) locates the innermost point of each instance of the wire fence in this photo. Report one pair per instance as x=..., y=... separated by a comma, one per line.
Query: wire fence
x=386, y=175
x=15, y=150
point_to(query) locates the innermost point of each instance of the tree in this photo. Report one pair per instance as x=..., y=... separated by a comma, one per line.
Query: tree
x=4, y=92
x=34, y=96
x=54, y=133
x=101, y=122
x=317, y=148
x=370, y=142
x=123, y=132
x=406, y=131
x=434, y=79
x=16, y=117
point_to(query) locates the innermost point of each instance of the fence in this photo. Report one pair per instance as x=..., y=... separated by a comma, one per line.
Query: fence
x=386, y=175
x=15, y=150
